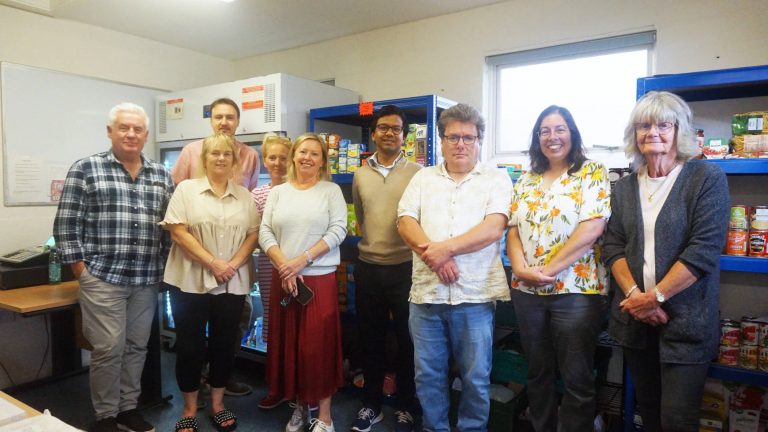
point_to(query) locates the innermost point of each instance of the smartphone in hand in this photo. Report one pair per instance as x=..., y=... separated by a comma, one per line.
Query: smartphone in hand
x=305, y=293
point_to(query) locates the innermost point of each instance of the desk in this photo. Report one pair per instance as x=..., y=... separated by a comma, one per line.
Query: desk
x=40, y=298
x=27, y=409
x=59, y=302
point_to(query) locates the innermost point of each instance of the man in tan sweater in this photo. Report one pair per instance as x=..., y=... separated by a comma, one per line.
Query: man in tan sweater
x=383, y=272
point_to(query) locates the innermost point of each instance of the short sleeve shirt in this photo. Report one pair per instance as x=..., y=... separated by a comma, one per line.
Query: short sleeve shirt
x=546, y=219
x=444, y=209
x=220, y=225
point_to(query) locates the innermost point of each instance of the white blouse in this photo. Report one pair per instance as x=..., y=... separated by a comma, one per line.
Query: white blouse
x=220, y=225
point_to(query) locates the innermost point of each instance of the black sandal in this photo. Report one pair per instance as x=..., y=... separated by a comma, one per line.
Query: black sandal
x=222, y=416
x=186, y=423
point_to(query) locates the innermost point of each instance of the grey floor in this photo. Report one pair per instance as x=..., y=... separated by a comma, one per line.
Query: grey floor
x=69, y=400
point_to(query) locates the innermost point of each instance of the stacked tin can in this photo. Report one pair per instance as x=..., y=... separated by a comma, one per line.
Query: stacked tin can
x=758, y=232
x=748, y=231
x=744, y=344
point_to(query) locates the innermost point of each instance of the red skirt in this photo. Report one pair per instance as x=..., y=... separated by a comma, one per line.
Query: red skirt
x=304, y=359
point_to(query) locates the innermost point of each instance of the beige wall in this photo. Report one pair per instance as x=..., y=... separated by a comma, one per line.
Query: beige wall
x=445, y=55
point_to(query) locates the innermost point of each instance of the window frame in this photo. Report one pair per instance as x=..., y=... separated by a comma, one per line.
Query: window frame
x=496, y=63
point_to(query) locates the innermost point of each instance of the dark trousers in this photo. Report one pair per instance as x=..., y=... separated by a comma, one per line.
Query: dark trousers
x=559, y=332
x=668, y=394
x=383, y=290
x=191, y=313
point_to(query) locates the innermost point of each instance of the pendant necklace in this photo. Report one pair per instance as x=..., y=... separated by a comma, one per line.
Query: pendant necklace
x=660, y=187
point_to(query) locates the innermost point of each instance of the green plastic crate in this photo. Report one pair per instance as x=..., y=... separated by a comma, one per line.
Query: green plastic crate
x=509, y=366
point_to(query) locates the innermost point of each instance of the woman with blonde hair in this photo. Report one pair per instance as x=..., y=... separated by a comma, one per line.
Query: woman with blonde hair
x=304, y=222
x=274, y=153
x=214, y=226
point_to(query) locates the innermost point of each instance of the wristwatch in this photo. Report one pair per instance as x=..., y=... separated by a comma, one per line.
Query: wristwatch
x=659, y=295
x=310, y=261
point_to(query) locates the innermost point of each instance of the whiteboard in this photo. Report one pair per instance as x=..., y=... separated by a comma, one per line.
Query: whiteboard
x=50, y=120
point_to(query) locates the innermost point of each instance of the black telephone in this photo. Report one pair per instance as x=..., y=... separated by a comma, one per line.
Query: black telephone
x=30, y=255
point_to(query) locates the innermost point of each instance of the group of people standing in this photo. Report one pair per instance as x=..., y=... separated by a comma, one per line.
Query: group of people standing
x=429, y=267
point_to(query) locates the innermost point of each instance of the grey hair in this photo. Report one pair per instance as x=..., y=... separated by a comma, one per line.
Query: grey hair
x=462, y=113
x=127, y=107
x=660, y=107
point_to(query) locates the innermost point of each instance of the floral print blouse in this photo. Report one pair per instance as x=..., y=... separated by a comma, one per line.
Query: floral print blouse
x=546, y=219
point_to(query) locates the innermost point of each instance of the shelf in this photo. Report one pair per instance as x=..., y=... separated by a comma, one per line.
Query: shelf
x=351, y=240
x=743, y=264
x=343, y=178
x=742, y=166
x=418, y=109
x=710, y=85
x=415, y=107
x=729, y=373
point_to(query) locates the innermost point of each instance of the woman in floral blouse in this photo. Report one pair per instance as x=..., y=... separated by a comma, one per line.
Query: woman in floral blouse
x=559, y=211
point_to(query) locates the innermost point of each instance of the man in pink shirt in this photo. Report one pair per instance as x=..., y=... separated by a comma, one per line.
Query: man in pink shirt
x=225, y=117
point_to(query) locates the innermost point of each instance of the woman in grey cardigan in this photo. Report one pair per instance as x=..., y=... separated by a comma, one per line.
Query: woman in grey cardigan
x=663, y=247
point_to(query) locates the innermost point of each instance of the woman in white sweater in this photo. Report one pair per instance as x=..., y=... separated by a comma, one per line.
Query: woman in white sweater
x=304, y=223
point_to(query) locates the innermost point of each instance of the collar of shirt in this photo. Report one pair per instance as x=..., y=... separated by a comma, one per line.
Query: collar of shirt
x=205, y=186
x=475, y=171
x=374, y=161
x=144, y=162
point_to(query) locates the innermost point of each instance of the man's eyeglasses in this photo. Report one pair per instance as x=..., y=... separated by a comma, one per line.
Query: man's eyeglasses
x=547, y=132
x=382, y=128
x=454, y=139
x=662, y=127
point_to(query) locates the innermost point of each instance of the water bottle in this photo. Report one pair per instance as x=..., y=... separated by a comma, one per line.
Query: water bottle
x=54, y=267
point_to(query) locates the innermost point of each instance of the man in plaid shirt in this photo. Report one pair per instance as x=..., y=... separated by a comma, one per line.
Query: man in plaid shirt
x=106, y=228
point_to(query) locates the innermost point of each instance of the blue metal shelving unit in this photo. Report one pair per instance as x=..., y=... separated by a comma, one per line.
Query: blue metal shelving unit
x=704, y=86
x=420, y=109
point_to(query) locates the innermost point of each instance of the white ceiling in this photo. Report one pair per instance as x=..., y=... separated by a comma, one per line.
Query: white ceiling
x=244, y=28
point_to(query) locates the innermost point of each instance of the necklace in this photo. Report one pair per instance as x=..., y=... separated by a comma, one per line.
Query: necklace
x=660, y=187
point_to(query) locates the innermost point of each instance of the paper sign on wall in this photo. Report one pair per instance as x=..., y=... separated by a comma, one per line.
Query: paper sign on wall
x=253, y=97
x=174, y=109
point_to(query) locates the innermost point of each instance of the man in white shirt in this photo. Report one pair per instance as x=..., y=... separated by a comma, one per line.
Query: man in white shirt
x=452, y=216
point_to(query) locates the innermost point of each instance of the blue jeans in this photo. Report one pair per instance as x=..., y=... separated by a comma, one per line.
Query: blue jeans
x=464, y=332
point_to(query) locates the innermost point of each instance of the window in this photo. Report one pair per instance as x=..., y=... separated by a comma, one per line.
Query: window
x=596, y=80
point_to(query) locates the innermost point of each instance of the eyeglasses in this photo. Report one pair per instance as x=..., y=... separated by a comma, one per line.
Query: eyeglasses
x=454, y=139
x=662, y=127
x=547, y=132
x=382, y=128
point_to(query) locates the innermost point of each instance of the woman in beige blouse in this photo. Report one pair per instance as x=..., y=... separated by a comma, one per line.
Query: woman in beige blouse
x=214, y=226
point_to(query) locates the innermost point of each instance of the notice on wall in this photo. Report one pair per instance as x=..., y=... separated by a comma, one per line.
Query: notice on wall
x=174, y=109
x=253, y=97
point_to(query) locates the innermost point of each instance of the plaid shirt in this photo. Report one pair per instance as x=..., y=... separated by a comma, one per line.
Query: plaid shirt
x=110, y=221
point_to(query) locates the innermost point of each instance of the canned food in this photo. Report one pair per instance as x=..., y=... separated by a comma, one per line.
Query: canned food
x=762, y=335
x=729, y=356
x=730, y=331
x=739, y=217
x=749, y=326
x=737, y=242
x=748, y=357
x=762, y=359
x=758, y=244
x=758, y=218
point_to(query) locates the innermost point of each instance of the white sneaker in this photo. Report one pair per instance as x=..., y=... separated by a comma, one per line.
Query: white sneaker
x=317, y=425
x=299, y=418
